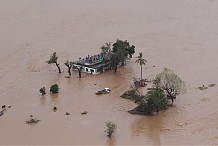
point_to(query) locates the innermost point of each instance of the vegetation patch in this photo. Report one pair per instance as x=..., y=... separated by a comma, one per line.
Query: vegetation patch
x=166, y=86
x=111, y=128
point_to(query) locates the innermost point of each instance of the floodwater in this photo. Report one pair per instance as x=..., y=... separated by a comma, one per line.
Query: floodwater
x=181, y=35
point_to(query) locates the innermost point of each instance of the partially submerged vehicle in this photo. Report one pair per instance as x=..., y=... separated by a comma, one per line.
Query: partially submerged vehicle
x=103, y=91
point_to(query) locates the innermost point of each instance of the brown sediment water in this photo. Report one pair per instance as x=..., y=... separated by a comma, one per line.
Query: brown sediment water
x=181, y=35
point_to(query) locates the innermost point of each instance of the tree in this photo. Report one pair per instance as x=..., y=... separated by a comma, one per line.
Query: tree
x=53, y=59
x=141, y=61
x=79, y=71
x=115, y=60
x=105, y=49
x=123, y=50
x=111, y=128
x=54, y=88
x=154, y=101
x=171, y=83
x=42, y=91
x=69, y=66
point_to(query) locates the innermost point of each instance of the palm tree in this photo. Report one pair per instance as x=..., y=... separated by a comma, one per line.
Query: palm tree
x=54, y=59
x=141, y=61
x=69, y=66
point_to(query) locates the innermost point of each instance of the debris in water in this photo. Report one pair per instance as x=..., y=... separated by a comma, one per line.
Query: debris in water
x=202, y=88
x=2, y=112
x=167, y=129
x=84, y=113
x=211, y=85
x=4, y=106
x=55, y=109
x=32, y=120
x=67, y=113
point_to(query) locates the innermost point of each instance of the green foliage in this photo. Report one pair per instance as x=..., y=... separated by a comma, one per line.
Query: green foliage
x=171, y=83
x=111, y=128
x=69, y=66
x=42, y=91
x=121, y=51
x=124, y=47
x=155, y=100
x=53, y=58
x=141, y=61
x=54, y=89
x=134, y=95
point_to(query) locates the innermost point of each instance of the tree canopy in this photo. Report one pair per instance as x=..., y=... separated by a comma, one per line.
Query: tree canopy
x=141, y=61
x=171, y=83
x=121, y=52
x=53, y=59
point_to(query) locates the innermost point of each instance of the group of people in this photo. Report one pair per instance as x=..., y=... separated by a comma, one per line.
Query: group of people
x=93, y=59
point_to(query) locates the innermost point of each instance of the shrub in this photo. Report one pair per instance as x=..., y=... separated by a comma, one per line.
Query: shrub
x=42, y=91
x=111, y=128
x=54, y=89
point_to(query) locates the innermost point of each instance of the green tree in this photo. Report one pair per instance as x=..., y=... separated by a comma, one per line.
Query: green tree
x=111, y=128
x=171, y=83
x=69, y=66
x=53, y=59
x=54, y=88
x=141, y=61
x=154, y=101
x=121, y=52
x=115, y=60
x=42, y=91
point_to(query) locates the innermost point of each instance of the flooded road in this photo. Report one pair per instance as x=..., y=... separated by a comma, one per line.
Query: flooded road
x=181, y=35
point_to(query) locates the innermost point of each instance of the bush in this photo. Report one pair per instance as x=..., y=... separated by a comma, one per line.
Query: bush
x=111, y=128
x=42, y=91
x=154, y=101
x=54, y=89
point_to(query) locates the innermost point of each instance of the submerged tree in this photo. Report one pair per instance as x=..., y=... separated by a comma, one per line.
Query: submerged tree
x=80, y=71
x=106, y=48
x=54, y=89
x=124, y=50
x=171, y=83
x=154, y=101
x=53, y=59
x=111, y=128
x=42, y=91
x=141, y=61
x=121, y=52
x=69, y=66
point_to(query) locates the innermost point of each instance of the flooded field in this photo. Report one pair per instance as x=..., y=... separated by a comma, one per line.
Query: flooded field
x=181, y=35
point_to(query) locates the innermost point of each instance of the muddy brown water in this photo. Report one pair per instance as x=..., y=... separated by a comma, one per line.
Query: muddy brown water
x=181, y=35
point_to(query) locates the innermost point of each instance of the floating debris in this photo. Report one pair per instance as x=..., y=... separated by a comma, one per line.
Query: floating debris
x=4, y=106
x=84, y=113
x=2, y=112
x=202, y=88
x=211, y=85
x=32, y=120
x=9, y=106
x=167, y=129
x=67, y=113
x=55, y=109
